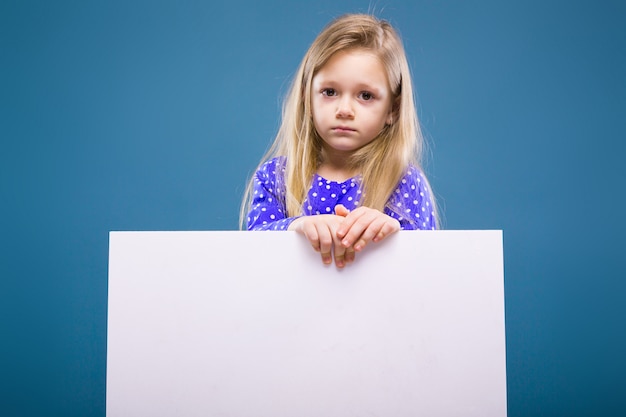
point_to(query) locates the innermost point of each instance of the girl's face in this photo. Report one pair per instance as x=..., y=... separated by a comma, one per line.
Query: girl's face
x=351, y=101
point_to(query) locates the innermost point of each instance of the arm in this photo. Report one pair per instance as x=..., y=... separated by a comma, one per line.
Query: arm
x=412, y=203
x=267, y=209
x=409, y=208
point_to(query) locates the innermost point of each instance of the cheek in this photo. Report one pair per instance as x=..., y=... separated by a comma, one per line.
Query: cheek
x=318, y=112
x=316, y=120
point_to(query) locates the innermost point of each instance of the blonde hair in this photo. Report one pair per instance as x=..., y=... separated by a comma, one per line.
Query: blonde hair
x=398, y=144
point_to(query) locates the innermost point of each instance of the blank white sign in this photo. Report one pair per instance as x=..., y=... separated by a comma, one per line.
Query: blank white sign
x=253, y=324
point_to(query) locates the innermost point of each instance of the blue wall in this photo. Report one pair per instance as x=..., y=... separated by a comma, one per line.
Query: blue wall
x=150, y=116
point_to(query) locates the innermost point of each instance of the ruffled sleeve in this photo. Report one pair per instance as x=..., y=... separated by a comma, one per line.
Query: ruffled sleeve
x=267, y=209
x=411, y=202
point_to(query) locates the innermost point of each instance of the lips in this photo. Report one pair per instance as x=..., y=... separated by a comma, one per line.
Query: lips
x=343, y=129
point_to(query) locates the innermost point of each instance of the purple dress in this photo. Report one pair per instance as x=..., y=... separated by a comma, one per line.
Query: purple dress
x=411, y=198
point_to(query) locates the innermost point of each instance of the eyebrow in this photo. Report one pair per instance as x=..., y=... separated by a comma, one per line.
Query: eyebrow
x=359, y=86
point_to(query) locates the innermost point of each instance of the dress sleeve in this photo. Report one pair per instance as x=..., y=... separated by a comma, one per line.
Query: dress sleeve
x=412, y=203
x=267, y=209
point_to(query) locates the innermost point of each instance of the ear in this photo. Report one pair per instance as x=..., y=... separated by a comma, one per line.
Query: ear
x=389, y=120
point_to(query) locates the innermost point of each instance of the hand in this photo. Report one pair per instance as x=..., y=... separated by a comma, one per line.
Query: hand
x=364, y=225
x=321, y=231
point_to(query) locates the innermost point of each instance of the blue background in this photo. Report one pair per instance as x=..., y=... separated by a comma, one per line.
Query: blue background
x=151, y=115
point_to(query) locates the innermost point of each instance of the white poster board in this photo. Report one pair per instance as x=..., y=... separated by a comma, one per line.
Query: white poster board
x=253, y=324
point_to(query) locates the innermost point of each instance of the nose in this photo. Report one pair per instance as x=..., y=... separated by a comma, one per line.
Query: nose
x=344, y=108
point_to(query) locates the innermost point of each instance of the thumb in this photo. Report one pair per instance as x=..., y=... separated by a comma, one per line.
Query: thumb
x=341, y=210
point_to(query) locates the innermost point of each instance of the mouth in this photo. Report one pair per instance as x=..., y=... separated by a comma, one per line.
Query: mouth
x=343, y=129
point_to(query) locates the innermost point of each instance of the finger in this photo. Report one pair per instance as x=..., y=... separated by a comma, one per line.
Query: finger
x=372, y=230
x=361, y=222
x=349, y=255
x=346, y=227
x=310, y=232
x=325, y=242
x=341, y=210
x=390, y=226
x=339, y=255
x=377, y=231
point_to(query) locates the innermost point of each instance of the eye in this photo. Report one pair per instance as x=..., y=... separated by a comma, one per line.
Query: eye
x=329, y=92
x=366, y=95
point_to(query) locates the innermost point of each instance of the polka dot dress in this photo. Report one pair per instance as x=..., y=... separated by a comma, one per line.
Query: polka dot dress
x=411, y=199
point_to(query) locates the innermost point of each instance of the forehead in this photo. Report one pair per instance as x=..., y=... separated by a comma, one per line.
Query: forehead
x=353, y=65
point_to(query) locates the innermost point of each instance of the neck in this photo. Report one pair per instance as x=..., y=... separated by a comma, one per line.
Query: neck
x=336, y=167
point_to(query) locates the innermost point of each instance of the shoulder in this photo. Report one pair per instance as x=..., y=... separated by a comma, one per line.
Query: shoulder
x=273, y=165
x=413, y=200
x=413, y=180
x=271, y=168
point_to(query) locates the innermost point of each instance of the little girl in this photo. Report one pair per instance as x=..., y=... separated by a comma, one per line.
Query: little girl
x=344, y=167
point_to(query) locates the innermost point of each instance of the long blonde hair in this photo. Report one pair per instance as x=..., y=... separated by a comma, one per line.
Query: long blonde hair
x=399, y=144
